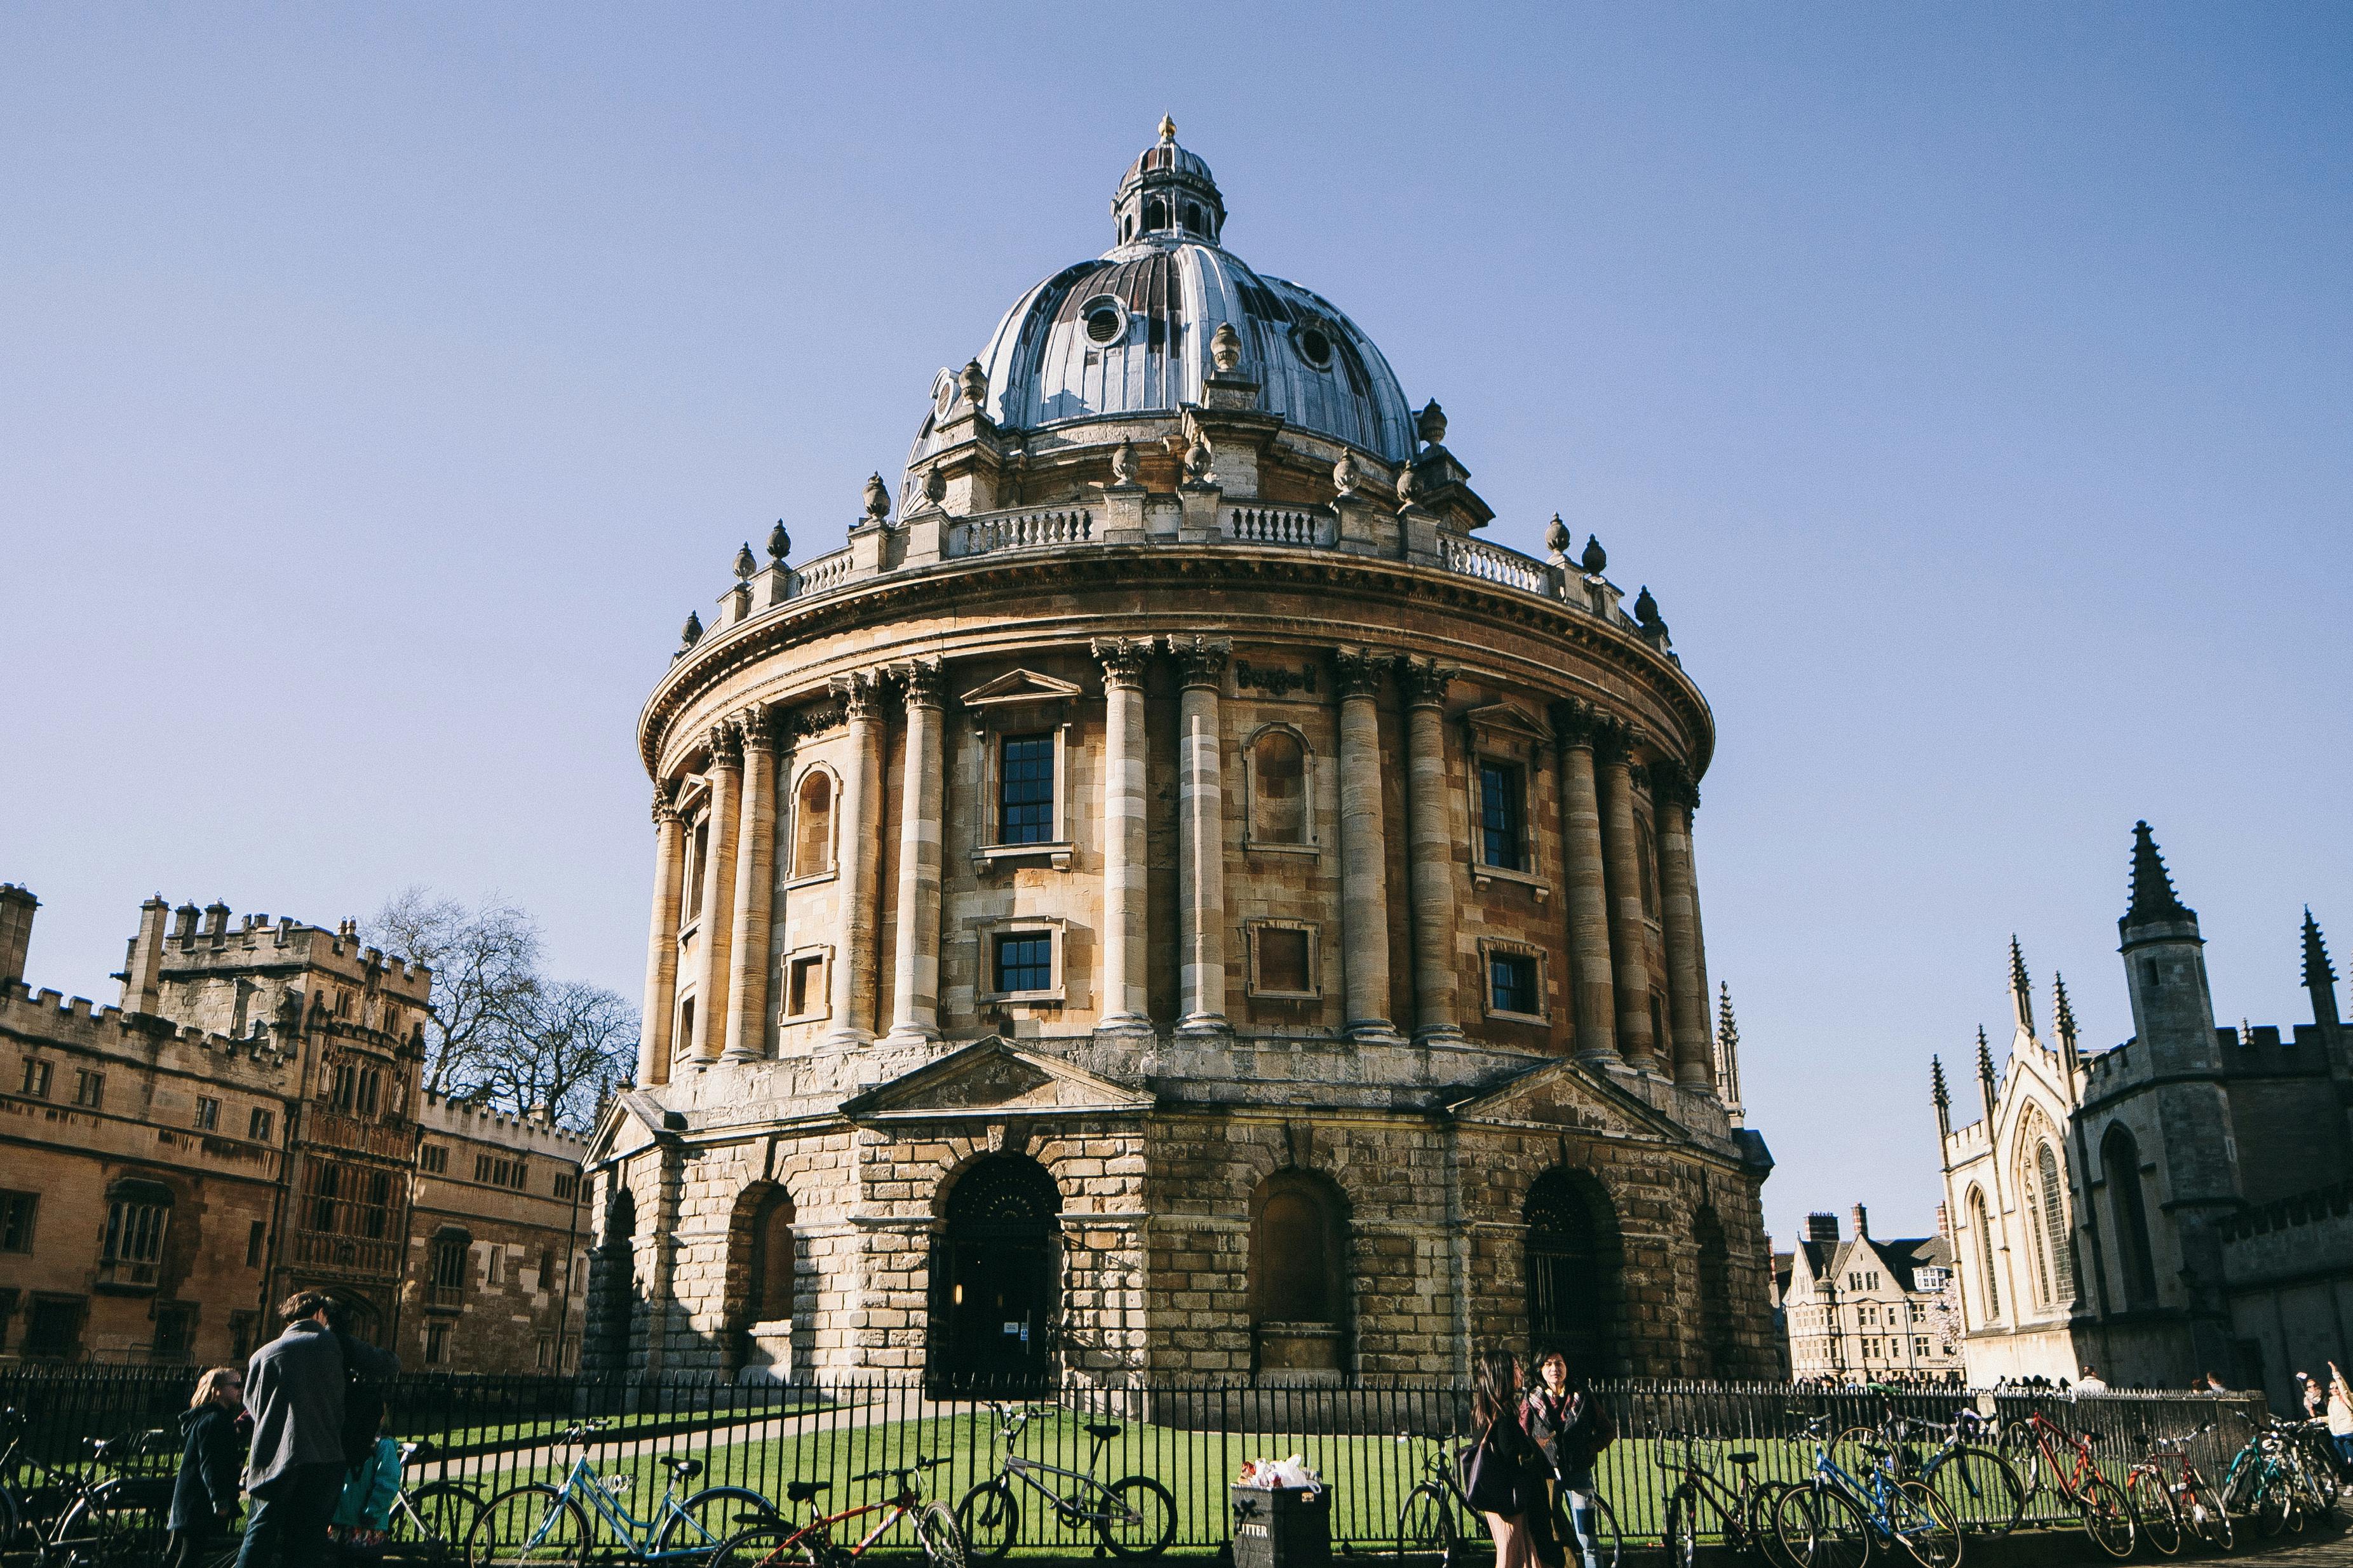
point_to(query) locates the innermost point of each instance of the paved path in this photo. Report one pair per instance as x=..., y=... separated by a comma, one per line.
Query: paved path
x=2312, y=1548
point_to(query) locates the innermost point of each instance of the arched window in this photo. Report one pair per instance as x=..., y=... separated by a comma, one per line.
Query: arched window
x=1278, y=787
x=1193, y=217
x=613, y=1283
x=1990, y=1290
x=2128, y=1215
x=1717, y=1352
x=1298, y=1274
x=1156, y=213
x=2060, y=1235
x=769, y=1277
x=2038, y=1230
x=813, y=825
x=1573, y=1258
x=994, y=1286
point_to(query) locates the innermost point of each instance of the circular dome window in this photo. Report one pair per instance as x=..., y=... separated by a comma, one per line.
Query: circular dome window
x=1315, y=346
x=1106, y=319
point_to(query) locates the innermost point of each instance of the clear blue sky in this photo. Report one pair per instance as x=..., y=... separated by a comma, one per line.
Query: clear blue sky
x=380, y=386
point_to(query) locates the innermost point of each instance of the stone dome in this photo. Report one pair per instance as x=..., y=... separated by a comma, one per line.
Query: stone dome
x=1129, y=332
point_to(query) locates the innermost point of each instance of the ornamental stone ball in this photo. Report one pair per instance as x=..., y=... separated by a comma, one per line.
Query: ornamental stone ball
x=1646, y=608
x=878, y=499
x=1557, y=536
x=780, y=543
x=745, y=564
x=1595, y=560
x=691, y=633
x=974, y=381
x=1226, y=348
x=1431, y=421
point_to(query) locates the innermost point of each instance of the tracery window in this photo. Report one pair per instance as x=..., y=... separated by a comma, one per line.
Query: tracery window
x=2062, y=1235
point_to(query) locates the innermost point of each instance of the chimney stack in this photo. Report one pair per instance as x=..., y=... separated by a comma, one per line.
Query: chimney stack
x=1861, y=1224
x=1821, y=1227
x=16, y=907
x=143, y=967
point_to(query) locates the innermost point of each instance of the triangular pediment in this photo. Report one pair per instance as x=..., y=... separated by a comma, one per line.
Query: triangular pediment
x=1566, y=1095
x=1020, y=686
x=1506, y=726
x=991, y=1078
x=633, y=1120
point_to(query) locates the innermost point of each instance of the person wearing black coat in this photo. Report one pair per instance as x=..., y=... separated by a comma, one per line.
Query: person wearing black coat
x=204, y=1496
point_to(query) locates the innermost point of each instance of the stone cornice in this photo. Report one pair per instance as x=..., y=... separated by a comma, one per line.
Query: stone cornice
x=1358, y=583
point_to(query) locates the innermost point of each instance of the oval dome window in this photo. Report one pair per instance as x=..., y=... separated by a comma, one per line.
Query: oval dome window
x=1314, y=347
x=1103, y=324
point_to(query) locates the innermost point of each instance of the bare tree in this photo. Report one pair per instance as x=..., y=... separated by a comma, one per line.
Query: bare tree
x=485, y=964
x=562, y=1052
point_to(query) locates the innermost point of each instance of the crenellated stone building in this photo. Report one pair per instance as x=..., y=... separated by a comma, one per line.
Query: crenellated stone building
x=1172, y=898
x=2173, y=1206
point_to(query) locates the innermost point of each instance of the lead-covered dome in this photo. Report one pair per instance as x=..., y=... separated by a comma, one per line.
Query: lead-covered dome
x=1129, y=332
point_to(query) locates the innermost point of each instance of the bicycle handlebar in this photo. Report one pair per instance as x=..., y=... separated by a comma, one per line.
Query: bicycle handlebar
x=878, y=1474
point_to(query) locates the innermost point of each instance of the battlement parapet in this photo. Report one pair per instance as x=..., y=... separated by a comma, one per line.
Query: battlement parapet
x=460, y=1119
x=48, y=1017
x=203, y=938
x=2305, y=1208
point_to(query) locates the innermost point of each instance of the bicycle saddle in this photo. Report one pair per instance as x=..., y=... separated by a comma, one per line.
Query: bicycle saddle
x=682, y=1470
x=1106, y=1430
x=803, y=1491
x=1742, y=1458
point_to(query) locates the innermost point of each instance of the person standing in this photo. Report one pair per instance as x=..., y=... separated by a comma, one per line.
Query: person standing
x=204, y=1496
x=294, y=1387
x=2340, y=1418
x=1501, y=1465
x=1565, y=1420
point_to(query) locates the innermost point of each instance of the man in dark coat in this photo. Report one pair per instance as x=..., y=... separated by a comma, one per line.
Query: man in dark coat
x=294, y=1387
x=203, y=1497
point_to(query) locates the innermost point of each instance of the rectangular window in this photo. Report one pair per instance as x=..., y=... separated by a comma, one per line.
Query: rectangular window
x=804, y=985
x=547, y=1268
x=450, y=1263
x=1512, y=979
x=1025, y=792
x=567, y=1185
x=175, y=1331
x=1025, y=962
x=89, y=1089
x=52, y=1331
x=433, y=1159
x=494, y=1272
x=257, y=1236
x=37, y=1079
x=207, y=1114
x=16, y=1212
x=437, y=1344
x=546, y=1352
x=240, y=1335
x=696, y=857
x=1503, y=816
x=135, y=1238
x=1282, y=960
x=261, y=1126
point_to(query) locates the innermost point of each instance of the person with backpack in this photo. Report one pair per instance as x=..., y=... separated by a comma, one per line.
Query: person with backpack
x=295, y=1387
x=363, y=1518
x=204, y=1495
x=1501, y=1472
x=1571, y=1427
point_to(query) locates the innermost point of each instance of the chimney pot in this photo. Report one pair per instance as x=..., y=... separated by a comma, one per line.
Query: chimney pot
x=1821, y=1227
x=1862, y=1222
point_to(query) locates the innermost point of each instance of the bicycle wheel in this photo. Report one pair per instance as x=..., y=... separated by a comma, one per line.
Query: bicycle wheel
x=533, y=1526
x=1762, y=1500
x=2107, y=1515
x=990, y=1519
x=1923, y=1525
x=84, y=1537
x=710, y=1516
x=2152, y=1502
x=134, y=1511
x=430, y=1525
x=2319, y=1476
x=1985, y=1493
x=1606, y=1544
x=758, y=1546
x=1426, y=1525
x=1818, y=1528
x=1139, y=1518
x=2202, y=1509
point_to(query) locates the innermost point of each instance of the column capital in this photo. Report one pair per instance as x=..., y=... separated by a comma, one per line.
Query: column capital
x=1425, y=681
x=1122, y=659
x=861, y=692
x=727, y=743
x=1671, y=783
x=923, y=683
x=1575, y=723
x=1200, y=660
x=1357, y=671
x=1613, y=743
x=665, y=803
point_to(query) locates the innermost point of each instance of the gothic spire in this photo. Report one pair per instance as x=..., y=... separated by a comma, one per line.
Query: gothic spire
x=2062, y=1024
x=1728, y=1055
x=1939, y=1095
x=2153, y=898
x=1985, y=1075
x=2319, y=974
x=2021, y=995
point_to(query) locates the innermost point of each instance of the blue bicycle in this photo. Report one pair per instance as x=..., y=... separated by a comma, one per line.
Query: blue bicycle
x=1833, y=1517
x=540, y=1526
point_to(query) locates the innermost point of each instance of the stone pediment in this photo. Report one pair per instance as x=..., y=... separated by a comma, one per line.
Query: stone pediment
x=1563, y=1094
x=632, y=1120
x=990, y=1077
x=1510, y=729
x=1020, y=686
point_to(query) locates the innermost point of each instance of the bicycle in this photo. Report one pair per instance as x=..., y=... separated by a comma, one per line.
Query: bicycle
x=2184, y=1498
x=543, y=1524
x=1135, y=1516
x=73, y=1521
x=1975, y=1482
x=2265, y=1482
x=2106, y=1512
x=772, y=1541
x=1833, y=1517
x=1743, y=1512
x=1431, y=1520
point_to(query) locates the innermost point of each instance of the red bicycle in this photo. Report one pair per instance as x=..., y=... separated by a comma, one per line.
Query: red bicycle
x=2065, y=1460
x=2171, y=1497
x=772, y=1543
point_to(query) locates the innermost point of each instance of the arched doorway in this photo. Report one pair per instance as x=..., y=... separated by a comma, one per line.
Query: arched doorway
x=996, y=1277
x=1298, y=1276
x=1572, y=1271
x=616, y=1279
x=760, y=1277
x=1717, y=1351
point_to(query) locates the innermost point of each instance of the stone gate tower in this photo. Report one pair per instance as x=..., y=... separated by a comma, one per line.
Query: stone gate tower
x=1166, y=895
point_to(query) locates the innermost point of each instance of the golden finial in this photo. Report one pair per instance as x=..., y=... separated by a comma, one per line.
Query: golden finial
x=1167, y=127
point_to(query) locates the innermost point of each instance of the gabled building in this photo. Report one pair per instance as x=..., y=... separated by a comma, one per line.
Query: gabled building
x=1862, y=1309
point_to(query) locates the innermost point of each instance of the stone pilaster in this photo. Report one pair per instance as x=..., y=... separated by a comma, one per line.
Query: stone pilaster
x=1125, y=1002
x=713, y=968
x=661, y=944
x=915, y=987
x=1364, y=848
x=861, y=828
x=1630, y=952
x=1588, y=894
x=1431, y=840
x=755, y=849
x=1201, y=834
x=1672, y=797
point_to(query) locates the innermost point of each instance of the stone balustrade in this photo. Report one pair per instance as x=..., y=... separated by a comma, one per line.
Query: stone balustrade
x=1033, y=529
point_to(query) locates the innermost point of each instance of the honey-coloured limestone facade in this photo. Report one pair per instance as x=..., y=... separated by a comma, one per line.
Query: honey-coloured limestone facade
x=1172, y=898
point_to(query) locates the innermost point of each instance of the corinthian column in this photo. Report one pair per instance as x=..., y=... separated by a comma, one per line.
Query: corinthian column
x=1672, y=797
x=1364, y=848
x=1201, y=835
x=712, y=969
x=661, y=945
x=1629, y=954
x=755, y=850
x=915, y=965
x=860, y=829
x=1430, y=841
x=1588, y=895
x=1125, y=1003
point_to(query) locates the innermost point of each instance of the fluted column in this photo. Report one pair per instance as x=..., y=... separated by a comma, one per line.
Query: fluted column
x=1200, y=836
x=1125, y=1003
x=861, y=830
x=1630, y=954
x=755, y=852
x=713, y=969
x=661, y=944
x=1588, y=893
x=1364, y=848
x=915, y=963
x=1672, y=797
x=1430, y=829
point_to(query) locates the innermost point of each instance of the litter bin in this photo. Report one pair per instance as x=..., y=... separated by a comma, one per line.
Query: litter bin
x=1283, y=1527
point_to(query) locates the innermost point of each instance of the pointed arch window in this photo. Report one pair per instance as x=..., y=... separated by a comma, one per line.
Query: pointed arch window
x=2058, y=1235
x=1989, y=1258
x=2128, y=1215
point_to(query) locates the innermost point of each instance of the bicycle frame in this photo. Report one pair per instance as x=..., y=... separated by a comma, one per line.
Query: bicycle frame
x=1015, y=1467
x=1729, y=1501
x=821, y=1528
x=2069, y=1478
x=637, y=1535
x=1828, y=1473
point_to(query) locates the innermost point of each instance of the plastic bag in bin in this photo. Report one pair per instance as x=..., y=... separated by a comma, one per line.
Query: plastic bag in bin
x=1269, y=1474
